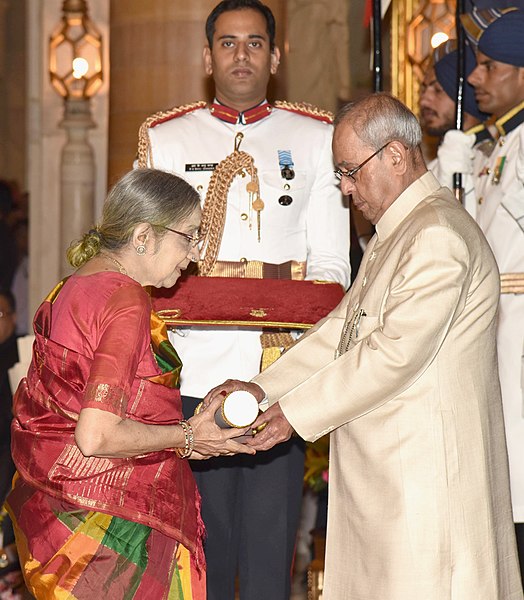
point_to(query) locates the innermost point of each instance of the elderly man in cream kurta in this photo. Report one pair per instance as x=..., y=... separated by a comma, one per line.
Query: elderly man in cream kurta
x=404, y=374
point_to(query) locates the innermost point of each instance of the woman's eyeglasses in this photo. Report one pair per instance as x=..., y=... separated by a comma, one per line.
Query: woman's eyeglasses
x=193, y=240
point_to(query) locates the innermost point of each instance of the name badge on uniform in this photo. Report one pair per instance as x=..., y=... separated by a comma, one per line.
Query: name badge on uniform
x=192, y=167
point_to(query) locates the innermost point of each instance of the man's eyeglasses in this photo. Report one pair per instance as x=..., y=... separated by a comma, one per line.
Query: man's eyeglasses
x=339, y=174
x=193, y=240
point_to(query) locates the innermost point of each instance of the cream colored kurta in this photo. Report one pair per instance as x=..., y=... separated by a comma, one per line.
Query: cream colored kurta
x=419, y=504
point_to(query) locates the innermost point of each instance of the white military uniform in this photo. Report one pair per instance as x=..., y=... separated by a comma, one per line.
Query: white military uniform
x=312, y=228
x=500, y=214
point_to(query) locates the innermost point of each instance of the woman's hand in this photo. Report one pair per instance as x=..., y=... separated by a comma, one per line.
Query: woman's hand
x=104, y=434
x=209, y=439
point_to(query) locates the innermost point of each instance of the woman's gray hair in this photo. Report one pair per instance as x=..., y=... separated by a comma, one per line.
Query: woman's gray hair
x=140, y=196
x=381, y=118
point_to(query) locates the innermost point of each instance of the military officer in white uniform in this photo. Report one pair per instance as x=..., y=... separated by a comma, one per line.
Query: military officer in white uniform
x=498, y=173
x=300, y=230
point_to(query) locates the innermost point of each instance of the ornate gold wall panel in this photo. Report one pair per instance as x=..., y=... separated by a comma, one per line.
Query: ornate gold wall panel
x=413, y=24
x=401, y=71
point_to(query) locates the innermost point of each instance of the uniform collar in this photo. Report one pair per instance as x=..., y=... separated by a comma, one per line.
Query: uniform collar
x=512, y=119
x=481, y=133
x=233, y=116
x=484, y=140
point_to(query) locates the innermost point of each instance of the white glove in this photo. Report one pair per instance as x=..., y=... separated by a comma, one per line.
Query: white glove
x=454, y=155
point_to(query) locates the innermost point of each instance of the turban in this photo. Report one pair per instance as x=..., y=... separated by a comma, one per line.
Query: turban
x=477, y=21
x=445, y=64
x=503, y=39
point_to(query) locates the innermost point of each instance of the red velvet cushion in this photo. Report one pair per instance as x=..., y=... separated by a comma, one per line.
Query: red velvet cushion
x=225, y=301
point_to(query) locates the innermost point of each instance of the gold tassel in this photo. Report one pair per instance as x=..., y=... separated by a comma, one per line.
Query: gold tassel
x=215, y=204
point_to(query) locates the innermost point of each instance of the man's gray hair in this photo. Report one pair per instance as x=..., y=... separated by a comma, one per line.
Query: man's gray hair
x=381, y=118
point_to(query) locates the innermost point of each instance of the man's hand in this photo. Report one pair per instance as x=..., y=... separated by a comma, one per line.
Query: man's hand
x=276, y=430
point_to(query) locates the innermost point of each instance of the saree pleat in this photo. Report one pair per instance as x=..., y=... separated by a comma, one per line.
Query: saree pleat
x=97, y=554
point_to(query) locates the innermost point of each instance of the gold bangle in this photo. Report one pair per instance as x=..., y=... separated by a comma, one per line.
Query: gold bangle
x=189, y=442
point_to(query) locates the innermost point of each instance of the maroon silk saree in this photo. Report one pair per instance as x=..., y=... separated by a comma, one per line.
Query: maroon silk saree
x=97, y=346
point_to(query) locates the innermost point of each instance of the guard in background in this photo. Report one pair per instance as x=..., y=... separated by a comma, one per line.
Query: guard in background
x=438, y=93
x=498, y=174
x=272, y=210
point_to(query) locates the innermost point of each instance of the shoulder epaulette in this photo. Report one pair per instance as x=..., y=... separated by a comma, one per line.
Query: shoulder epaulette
x=173, y=113
x=145, y=158
x=308, y=110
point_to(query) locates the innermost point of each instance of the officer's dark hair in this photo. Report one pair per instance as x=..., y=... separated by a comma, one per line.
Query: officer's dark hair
x=229, y=5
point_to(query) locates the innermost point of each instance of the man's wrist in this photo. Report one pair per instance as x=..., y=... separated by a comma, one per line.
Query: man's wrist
x=263, y=405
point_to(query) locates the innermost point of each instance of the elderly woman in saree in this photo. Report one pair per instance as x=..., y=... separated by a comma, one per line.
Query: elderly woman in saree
x=104, y=503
